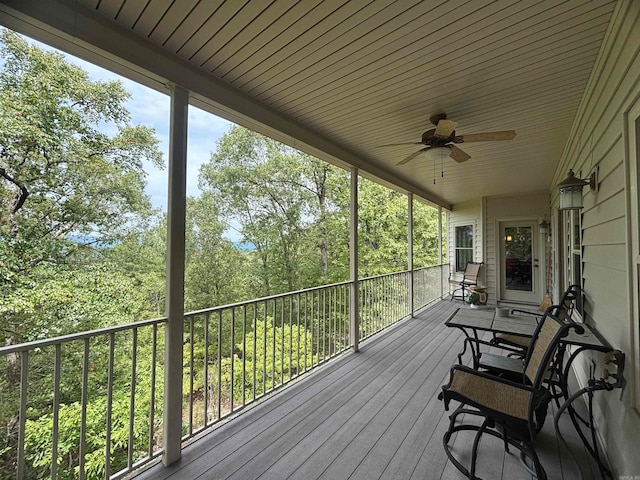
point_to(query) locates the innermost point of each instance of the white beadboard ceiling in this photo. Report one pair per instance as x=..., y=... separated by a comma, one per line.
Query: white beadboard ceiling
x=364, y=73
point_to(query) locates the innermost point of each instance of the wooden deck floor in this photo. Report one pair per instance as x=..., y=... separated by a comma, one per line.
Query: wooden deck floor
x=368, y=415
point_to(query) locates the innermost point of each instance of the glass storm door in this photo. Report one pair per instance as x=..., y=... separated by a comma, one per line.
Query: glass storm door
x=519, y=262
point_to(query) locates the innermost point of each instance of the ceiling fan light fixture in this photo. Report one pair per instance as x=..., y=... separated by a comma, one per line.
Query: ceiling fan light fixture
x=438, y=153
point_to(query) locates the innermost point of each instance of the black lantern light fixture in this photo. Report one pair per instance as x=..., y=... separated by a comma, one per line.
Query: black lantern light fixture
x=571, y=190
x=544, y=227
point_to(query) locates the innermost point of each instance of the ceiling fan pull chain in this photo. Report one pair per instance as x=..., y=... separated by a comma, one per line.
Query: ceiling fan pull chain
x=434, y=171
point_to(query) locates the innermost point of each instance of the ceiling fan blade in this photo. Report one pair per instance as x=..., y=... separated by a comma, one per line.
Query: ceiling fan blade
x=489, y=136
x=445, y=128
x=412, y=156
x=398, y=144
x=458, y=155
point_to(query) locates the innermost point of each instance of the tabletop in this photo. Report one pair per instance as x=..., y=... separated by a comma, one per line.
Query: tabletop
x=524, y=325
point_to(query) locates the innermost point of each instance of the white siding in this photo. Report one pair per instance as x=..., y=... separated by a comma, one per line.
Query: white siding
x=598, y=138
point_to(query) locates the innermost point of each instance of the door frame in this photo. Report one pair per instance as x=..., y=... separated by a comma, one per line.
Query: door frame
x=537, y=253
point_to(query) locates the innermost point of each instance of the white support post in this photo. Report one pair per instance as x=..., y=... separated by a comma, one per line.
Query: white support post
x=440, y=252
x=410, y=251
x=176, y=213
x=354, y=305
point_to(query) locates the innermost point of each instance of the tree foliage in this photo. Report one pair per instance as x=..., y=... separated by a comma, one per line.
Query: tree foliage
x=64, y=181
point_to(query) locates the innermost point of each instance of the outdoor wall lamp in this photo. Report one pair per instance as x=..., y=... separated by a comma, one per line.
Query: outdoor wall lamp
x=543, y=227
x=571, y=190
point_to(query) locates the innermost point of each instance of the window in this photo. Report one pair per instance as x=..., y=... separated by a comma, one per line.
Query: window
x=573, y=252
x=464, y=246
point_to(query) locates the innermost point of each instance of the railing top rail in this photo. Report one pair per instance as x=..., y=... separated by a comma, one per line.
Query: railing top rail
x=430, y=266
x=262, y=299
x=47, y=342
x=373, y=277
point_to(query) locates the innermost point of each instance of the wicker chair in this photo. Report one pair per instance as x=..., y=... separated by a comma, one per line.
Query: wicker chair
x=469, y=279
x=512, y=411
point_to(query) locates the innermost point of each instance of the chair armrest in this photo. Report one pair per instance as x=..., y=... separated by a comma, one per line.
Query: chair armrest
x=474, y=347
x=527, y=312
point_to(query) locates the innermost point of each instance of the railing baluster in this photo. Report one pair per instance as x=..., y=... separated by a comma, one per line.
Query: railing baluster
x=152, y=399
x=264, y=351
x=231, y=349
x=219, y=399
x=83, y=420
x=273, y=352
x=345, y=314
x=107, y=450
x=255, y=348
x=24, y=379
x=244, y=354
x=334, y=335
x=191, y=372
x=290, y=334
x=132, y=397
x=315, y=318
x=324, y=323
x=282, y=341
x=298, y=335
x=56, y=411
x=207, y=320
x=306, y=301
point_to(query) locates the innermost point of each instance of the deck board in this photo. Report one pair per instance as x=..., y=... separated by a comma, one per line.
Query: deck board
x=367, y=415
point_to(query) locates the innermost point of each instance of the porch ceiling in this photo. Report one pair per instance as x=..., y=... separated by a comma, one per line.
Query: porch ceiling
x=358, y=74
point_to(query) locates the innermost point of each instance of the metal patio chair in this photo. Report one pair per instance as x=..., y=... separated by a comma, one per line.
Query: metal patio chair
x=469, y=279
x=510, y=410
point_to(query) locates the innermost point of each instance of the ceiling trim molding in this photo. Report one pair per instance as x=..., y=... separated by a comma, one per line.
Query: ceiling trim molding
x=81, y=31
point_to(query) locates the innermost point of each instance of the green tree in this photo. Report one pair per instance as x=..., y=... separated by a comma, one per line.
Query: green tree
x=65, y=183
x=382, y=229
x=425, y=235
x=285, y=203
x=216, y=271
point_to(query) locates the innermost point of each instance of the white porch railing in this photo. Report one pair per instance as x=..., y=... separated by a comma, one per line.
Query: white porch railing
x=233, y=356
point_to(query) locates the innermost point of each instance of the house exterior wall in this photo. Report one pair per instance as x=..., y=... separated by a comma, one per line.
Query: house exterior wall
x=510, y=208
x=599, y=138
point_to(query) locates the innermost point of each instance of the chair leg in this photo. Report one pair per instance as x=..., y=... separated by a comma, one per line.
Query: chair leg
x=476, y=443
x=528, y=451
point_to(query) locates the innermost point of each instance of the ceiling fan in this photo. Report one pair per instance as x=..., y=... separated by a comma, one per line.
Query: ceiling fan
x=442, y=139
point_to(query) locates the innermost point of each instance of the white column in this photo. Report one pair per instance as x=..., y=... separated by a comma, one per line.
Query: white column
x=176, y=211
x=354, y=306
x=410, y=250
